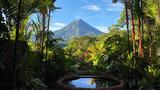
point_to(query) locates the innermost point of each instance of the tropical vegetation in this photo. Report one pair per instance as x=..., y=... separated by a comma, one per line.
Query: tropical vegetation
x=30, y=56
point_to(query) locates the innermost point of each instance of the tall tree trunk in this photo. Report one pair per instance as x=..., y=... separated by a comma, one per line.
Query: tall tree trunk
x=127, y=23
x=42, y=43
x=38, y=33
x=16, y=40
x=49, y=15
x=158, y=10
x=43, y=34
x=133, y=30
x=139, y=31
x=140, y=39
x=46, y=68
x=142, y=23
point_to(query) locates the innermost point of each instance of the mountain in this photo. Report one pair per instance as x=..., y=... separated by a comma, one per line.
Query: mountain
x=76, y=29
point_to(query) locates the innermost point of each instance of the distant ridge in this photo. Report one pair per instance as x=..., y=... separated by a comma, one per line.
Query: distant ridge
x=76, y=28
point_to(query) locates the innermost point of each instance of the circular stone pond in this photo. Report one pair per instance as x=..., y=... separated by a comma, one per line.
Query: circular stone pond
x=75, y=82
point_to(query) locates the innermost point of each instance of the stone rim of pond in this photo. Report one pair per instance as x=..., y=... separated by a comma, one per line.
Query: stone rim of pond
x=63, y=86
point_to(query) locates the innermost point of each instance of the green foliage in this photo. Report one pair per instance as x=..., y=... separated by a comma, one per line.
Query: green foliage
x=152, y=78
x=4, y=31
x=116, y=47
x=78, y=46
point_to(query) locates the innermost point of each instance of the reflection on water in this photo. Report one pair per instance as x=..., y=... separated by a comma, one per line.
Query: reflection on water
x=91, y=83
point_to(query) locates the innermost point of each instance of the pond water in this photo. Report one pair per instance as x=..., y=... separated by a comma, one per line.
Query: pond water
x=91, y=83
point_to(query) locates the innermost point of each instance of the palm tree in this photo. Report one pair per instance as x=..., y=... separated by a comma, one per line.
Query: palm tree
x=16, y=40
x=22, y=13
x=138, y=14
x=133, y=29
x=43, y=11
x=50, y=9
x=127, y=23
x=135, y=7
x=150, y=9
x=142, y=22
x=129, y=5
x=8, y=10
x=139, y=29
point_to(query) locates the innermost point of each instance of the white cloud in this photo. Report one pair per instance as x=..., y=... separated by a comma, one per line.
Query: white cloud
x=92, y=8
x=103, y=28
x=115, y=7
x=57, y=26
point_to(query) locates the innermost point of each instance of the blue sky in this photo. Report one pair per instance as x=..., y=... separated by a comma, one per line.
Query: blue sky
x=98, y=13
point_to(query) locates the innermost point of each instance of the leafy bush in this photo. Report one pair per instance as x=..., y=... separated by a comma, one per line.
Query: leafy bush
x=152, y=78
